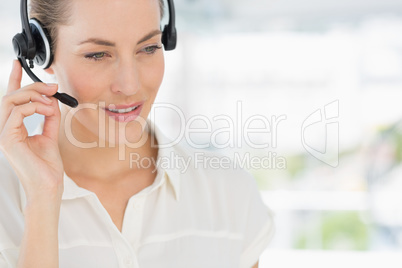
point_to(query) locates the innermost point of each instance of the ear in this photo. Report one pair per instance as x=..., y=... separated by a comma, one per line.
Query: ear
x=50, y=70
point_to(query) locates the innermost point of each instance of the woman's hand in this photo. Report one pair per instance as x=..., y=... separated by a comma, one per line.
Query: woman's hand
x=36, y=160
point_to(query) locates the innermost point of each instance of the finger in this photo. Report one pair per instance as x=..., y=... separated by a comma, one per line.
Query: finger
x=16, y=118
x=32, y=93
x=21, y=97
x=29, y=93
x=42, y=88
x=14, y=81
x=52, y=122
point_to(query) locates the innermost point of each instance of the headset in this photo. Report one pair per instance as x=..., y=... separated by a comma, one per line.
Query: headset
x=33, y=44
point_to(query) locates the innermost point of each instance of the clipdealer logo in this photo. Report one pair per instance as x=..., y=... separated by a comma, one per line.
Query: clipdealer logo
x=238, y=131
x=255, y=132
x=205, y=160
x=320, y=134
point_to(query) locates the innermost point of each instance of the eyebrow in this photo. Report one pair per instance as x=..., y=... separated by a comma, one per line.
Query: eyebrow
x=102, y=42
x=149, y=36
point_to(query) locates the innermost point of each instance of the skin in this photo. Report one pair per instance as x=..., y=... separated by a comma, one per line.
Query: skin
x=125, y=73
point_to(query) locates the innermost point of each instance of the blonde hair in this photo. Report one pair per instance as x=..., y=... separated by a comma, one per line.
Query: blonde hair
x=53, y=13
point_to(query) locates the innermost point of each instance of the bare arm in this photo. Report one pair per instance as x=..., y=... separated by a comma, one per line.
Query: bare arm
x=37, y=162
x=40, y=247
x=255, y=265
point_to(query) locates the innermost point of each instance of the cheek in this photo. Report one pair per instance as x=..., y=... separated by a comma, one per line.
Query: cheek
x=153, y=73
x=92, y=87
x=84, y=87
x=87, y=89
x=152, y=77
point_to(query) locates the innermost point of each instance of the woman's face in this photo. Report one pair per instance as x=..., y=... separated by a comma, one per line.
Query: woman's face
x=109, y=58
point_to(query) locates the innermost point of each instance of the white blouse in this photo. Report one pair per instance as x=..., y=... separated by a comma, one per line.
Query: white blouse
x=199, y=217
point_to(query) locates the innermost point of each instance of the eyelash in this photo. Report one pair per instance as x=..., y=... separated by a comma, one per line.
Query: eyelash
x=94, y=56
x=98, y=56
x=153, y=47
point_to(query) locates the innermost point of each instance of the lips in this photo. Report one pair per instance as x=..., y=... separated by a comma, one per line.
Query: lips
x=124, y=113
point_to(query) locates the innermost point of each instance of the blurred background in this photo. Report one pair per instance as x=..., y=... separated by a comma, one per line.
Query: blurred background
x=331, y=71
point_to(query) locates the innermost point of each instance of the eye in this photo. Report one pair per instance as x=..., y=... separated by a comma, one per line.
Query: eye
x=96, y=56
x=151, y=49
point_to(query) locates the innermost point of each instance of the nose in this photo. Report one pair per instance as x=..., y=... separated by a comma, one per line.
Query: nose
x=127, y=78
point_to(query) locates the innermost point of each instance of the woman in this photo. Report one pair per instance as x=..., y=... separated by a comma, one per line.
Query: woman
x=71, y=195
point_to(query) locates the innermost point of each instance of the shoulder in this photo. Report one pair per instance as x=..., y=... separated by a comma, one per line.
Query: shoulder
x=213, y=175
x=217, y=193
x=213, y=171
x=218, y=164
x=215, y=183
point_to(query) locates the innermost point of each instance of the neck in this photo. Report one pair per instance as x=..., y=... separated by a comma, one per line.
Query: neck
x=105, y=164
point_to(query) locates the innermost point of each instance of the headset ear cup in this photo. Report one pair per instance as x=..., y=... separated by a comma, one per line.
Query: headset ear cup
x=169, y=37
x=20, y=45
x=43, y=56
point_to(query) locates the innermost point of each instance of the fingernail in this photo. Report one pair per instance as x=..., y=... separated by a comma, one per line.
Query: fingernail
x=15, y=63
x=47, y=99
x=51, y=85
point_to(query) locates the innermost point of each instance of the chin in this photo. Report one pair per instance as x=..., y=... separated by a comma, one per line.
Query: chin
x=133, y=134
